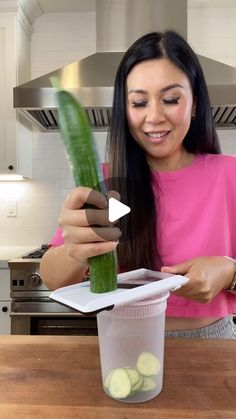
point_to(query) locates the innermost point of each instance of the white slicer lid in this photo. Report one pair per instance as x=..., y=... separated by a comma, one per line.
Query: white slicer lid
x=132, y=286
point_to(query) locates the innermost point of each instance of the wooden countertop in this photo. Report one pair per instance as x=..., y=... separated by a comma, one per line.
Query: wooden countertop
x=50, y=377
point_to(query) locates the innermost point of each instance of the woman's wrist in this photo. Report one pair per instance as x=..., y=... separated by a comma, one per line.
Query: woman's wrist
x=232, y=285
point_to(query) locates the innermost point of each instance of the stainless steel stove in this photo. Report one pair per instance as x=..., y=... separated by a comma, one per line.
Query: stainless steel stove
x=32, y=311
x=37, y=253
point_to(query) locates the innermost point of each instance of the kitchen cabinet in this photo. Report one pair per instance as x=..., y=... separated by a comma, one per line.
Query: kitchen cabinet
x=16, y=131
x=7, y=253
x=5, y=301
x=5, y=319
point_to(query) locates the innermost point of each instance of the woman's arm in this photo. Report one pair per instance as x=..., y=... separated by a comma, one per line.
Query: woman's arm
x=207, y=277
x=67, y=264
x=58, y=268
x=232, y=285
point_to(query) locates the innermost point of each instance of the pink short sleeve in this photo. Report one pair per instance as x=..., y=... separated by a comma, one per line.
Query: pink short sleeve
x=57, y=239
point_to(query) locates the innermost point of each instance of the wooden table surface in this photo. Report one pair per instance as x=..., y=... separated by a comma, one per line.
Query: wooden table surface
x=55, y=377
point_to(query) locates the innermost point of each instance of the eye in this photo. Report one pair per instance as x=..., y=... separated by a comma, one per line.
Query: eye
x=170, y=101
x=139, y=104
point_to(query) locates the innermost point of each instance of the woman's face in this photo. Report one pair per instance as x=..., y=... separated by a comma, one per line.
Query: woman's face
x=159, y=108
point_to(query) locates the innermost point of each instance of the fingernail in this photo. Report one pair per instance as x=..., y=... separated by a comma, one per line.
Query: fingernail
x=105, y=203
x=176, y=288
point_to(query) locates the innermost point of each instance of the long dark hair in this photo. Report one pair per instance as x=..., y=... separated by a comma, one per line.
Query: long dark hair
x=128, y=165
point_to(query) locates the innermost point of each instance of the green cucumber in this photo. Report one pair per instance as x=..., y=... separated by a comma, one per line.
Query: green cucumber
x=138, y=385
x=119, y=384
x=128, y=381
x=148, y=384
x=78, y=139
x=136, y=380
x=148, y=364
x=107, y=380
x=134, y=376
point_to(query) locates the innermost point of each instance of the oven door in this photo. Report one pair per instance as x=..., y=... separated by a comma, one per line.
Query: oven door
x=49, y=318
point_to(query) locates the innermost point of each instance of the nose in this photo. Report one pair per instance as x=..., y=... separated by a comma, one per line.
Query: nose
x=155, y=114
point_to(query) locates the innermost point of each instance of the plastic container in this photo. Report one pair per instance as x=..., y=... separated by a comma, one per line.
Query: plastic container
x=131, y=344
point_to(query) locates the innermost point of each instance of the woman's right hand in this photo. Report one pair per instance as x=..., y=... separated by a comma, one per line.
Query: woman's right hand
x=87, y=232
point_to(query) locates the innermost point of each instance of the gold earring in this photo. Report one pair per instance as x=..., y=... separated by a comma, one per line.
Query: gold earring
x=194, y=115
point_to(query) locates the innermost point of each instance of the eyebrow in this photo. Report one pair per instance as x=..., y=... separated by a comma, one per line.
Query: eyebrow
x=164, y=89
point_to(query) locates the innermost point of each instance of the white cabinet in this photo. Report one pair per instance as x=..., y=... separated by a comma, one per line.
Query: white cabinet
x=15, y=132
x=5, y=319
x=5, y=302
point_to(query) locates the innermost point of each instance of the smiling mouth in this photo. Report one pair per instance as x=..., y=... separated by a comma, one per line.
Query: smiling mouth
x=156, y=137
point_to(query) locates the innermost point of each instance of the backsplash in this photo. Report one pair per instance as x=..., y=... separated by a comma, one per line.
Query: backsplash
x=39, y=200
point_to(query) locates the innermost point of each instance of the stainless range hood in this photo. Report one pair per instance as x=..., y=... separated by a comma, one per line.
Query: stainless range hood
x=119, y=23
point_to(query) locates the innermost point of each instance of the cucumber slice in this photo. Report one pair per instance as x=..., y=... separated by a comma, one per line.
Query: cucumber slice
x=148, y=364
x=148, y=384
x=120, y=384
x=134, y=376
x=107, y=380
x=138, y=385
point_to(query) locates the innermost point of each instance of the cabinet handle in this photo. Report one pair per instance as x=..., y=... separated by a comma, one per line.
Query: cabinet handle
x=4, y=309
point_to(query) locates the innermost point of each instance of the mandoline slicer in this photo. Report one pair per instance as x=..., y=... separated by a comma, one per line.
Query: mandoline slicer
x=132, y=286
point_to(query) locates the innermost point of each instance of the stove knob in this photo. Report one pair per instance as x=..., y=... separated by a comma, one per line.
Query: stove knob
x=34, y=280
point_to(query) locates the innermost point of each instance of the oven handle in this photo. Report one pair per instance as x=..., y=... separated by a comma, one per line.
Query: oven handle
x=14, y=313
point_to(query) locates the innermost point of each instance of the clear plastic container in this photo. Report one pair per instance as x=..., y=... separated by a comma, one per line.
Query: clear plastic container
x=131, y=344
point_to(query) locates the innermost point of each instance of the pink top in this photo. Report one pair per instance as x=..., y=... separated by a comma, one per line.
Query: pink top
x=196, y=217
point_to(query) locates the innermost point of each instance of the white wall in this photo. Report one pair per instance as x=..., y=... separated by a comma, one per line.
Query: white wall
x=59, y=39
x=227, y=141
x=212, y=31
x=39, y=201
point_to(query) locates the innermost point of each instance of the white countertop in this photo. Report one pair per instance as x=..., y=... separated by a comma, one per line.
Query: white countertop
x=12, y=252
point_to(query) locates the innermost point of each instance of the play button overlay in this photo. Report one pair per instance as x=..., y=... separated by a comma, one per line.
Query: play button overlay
x=122, y=218
x=116, y=210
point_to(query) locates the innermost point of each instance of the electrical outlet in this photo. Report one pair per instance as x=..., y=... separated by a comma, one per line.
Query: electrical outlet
x=11, y=208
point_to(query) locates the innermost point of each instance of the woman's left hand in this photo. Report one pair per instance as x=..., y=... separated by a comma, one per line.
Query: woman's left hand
x=207, y=277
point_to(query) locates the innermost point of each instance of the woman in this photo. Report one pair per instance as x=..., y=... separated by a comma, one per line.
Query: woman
x=163, y=143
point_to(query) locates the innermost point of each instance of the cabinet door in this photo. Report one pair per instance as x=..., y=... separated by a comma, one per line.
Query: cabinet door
x=8, y=159
x=4, y=284
x=5, y=319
